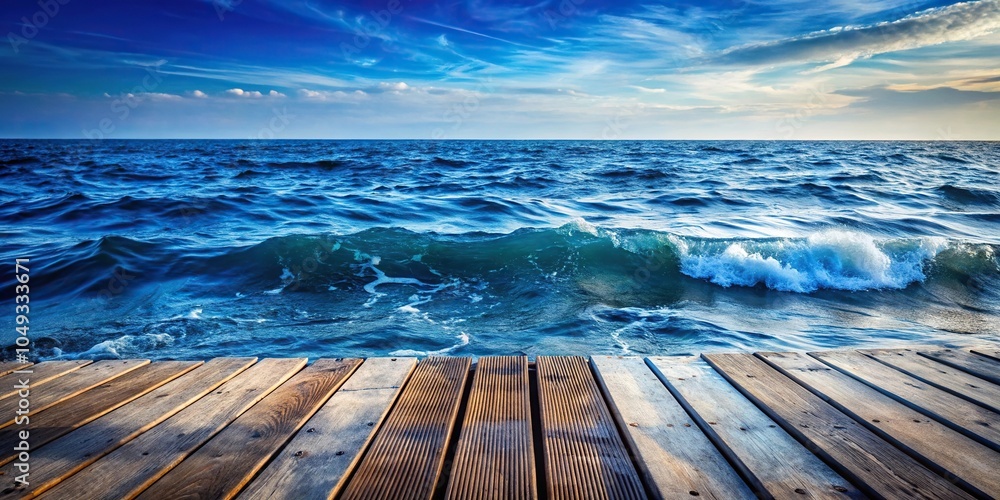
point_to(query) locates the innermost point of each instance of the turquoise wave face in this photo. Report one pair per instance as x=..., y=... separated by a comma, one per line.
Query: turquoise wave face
x=192, y=249
x=573, y=288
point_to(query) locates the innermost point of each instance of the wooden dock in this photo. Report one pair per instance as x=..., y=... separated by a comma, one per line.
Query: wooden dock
x=897, y=423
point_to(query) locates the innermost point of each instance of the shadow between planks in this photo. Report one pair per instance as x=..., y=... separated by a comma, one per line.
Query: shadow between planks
x=878, y=423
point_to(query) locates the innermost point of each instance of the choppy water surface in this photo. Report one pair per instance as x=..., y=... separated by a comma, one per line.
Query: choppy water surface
x=193, y=249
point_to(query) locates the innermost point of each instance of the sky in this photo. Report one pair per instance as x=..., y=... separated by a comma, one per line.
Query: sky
x=556, y=69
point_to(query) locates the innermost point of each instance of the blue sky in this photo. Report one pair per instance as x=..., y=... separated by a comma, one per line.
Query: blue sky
x=782, y=69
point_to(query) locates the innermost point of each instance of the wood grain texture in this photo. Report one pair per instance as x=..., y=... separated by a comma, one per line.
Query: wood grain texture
x=940, y=375
x=315, y=464
x=778, y=465
x=981, y=366
x=71, y=384
x=945, y=451
x=872, y=464
x=7, y=367
x=495, y=458
x=966, y=417
x=673, y=454
x=60, y=419
x=406, y=457
x=40, y=373
x=585, y=457
x=227, y=462
x=131, y=468
x=82, y=447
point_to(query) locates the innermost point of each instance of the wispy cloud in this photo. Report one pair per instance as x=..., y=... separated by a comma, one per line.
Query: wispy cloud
x=463, y=30
x=941, y=97
x=841, y=46
x=648, y=90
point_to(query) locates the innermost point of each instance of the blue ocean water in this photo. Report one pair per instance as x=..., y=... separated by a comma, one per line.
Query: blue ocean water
x=194, y=249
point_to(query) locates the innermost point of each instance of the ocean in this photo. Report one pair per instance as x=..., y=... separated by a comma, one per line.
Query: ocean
x=191, y=249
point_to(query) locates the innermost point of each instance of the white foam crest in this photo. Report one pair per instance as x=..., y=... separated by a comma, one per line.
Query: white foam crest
x=579, y=224
x=382, y=279
x=125, y=346
x=195, y=313
x=833, y=259
x=463, y=340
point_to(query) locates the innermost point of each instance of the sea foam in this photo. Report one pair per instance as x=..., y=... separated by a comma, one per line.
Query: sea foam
x=832, y=259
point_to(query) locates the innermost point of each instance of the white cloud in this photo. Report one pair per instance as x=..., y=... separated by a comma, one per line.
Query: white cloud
x=198, y=94
x=310, y=94
x=394, y=87
x=245, y=93
x=333, y=96
x=160, y=96
x=275, y=93
x=648, y=90
x=144, y=96
x=843, y=45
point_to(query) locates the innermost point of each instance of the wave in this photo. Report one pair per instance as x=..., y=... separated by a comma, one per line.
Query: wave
x=320, y=164
x=451, y=162
x=607, y=262
x=970, y=196
x=838, y=260
x=19, y=160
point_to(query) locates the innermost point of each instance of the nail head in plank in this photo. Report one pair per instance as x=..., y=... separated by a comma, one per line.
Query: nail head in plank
x=131, y=468
x=584, y=453
x=407, y=455
x=60, y=419
x=872, y=464
x=495, y=457
x=227, y=462
x=941, y=448
x=67, y=455
x=983, y=367
x=72, y=384
x=779, y=464
x=672, y=452
x=961, y=415
x=40, y=373
x=315, y=464
x=940, y=375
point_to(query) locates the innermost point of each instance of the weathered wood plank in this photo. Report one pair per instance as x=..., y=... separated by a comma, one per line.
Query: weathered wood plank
x=953, y=411
x=67, y=455
x=60, y=419
x=940, y=375
x=407, y=454
x=983, y=367
x=71, y=384
x=7, y=367
x=41, y=373
x=777, y=464
x=131, y=468
x=873, y=465
x=990, y=352
x=585, y=457
x=315, y=464
x=945, y=451
x=495, y=458
x=227, y=462
x=671, y=451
